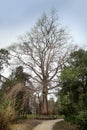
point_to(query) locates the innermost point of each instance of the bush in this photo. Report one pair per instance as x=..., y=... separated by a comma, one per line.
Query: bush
x=10, y=113
x=4, y=125
x=81, y=120
x=8, y=110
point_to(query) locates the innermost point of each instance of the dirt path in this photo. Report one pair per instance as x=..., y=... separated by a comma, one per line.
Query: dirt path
x=47, y=125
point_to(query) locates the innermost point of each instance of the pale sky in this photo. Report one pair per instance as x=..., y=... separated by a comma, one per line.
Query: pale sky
x=18, y=16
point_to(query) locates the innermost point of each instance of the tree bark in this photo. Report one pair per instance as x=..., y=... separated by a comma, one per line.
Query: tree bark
x=45, y=102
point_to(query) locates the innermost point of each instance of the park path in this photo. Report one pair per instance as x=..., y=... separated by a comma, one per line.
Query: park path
x=47, y=124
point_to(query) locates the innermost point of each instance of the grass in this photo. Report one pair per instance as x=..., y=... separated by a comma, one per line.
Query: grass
x=49, y=117
x=63, y=126
x=24, y=124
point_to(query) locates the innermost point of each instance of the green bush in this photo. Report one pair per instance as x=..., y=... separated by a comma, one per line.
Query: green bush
x=4, y=125
x=66, y=108
x=81, y=120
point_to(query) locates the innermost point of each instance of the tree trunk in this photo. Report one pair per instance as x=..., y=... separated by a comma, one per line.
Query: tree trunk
x=45, y=105
x=45, y=102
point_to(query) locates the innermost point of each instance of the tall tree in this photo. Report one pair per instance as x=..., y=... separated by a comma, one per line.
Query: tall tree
x=4, y=61
x=43, y=51
x=4, y=57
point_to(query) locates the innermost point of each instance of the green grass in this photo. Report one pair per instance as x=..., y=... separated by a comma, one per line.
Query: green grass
x=31, y=116
x=49, y=117
x=63, y=126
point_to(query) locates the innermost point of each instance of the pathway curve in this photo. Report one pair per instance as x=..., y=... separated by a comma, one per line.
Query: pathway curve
x=47, y=124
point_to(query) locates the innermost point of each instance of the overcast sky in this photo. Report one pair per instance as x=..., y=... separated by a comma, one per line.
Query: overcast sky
x=18, y=16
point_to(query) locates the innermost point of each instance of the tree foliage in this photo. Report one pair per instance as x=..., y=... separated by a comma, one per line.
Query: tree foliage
x=73, y=94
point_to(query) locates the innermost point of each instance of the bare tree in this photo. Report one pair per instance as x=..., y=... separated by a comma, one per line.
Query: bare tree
x=44, y=51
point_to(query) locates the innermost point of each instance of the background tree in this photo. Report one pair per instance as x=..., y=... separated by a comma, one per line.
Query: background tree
x=73, y=94
x=4, y=61
x=16, y=99
x=43, y=52
x=4, y=57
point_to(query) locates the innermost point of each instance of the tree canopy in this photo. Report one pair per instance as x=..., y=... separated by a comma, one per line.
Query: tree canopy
x=43, y=51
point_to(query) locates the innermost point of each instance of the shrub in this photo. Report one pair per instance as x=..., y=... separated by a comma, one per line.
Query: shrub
x=4, y=125
x=81, y=120
x=7, y=109
x=10, y=113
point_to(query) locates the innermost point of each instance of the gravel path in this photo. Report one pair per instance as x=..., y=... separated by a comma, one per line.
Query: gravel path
x=47, y=125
